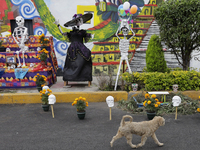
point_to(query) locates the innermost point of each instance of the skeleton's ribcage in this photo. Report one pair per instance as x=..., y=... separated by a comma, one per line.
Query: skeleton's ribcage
x=124, y=45
x=19, y=33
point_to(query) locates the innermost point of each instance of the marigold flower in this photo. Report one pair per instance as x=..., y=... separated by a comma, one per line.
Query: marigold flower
x=75, y=102
x=76, y=99
x=147, y=95
x=84, y=99
x=144, y=103
x=199, y=97
x=198, y=109
x=149, y=102
x=156, y=100
x=72, y=104
x=156, y=105
x=153, y=96
x=80, y=98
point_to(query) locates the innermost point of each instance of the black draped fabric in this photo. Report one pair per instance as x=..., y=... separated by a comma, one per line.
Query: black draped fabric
x=78, y=63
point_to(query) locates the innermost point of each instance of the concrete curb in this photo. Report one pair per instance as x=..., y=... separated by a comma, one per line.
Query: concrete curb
x=69, y=97
x=61, y=97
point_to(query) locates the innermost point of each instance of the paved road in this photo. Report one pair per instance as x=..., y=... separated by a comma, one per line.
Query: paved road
x=28, y=127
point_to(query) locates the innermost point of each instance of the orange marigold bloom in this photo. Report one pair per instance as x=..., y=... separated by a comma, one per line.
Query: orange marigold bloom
x=153, y=96
x=147, y=95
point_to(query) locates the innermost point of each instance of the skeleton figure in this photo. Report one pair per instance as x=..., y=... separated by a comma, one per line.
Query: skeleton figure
x=20, y=35
x=124, y=46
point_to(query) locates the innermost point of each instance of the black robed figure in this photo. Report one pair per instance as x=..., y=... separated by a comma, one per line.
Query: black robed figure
x=78, y=63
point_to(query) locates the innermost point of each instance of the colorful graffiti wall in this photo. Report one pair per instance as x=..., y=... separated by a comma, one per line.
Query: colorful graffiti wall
x=103, y=26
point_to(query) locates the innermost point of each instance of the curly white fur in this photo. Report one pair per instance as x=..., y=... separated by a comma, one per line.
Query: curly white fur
x=143, y=129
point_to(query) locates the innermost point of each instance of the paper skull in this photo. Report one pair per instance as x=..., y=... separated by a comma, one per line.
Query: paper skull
x=110, y=101
x=52, y=99
x=176, y=100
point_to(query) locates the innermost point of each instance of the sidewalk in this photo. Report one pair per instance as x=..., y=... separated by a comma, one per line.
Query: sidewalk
x=63, y=93
x=28, y=127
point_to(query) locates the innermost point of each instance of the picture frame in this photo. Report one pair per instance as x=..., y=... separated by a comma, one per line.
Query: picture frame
x=11, y=60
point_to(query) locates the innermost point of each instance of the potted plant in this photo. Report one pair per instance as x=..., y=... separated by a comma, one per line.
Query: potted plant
x=40, y=81
x=2, y=49
x=43, y=41
x=44, y=98
x=80, y=104
x=43, y=56
x=151, y=105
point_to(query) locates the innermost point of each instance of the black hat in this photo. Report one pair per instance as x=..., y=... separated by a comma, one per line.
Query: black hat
x=76, y=17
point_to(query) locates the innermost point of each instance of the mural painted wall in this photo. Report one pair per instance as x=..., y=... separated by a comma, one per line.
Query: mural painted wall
x=104, y=24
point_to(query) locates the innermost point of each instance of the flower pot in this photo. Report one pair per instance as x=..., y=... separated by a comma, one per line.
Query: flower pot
x=81, y=115
x=39, y=88
x=45, y=107
x=151, y=115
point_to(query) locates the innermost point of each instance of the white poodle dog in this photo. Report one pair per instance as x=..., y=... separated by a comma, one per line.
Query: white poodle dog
x=143, y=129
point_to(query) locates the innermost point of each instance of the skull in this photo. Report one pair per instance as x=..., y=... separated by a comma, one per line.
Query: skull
x=134, y=86
x=175, y=87
x=110, y=101
x=176, y=100
x=52, y=99
x=19, y=21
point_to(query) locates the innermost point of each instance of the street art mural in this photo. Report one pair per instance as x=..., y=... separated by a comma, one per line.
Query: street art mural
x=104, y=45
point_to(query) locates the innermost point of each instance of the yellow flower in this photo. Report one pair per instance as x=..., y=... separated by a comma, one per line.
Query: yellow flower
x=156, y=105
x=76, y=99
x=153, y=96
x=156, y=100
x=75, y=102
x=72, y=104
x=84, y=99
x=34, y=80
x=43, y=92
x=199, y=97
x=38, y=74
x=147, y=95
x=198, y=109
x=144, y=103
x=149, y=102
x=80, y=98
x=50, y=91
x=40, y=91
x=86, y=104
x=49, y=94
x=42, y=85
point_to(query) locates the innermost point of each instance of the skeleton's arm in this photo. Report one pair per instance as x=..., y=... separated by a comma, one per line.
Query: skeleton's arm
x=132, y=35
x=14, y=36
x=117, y=33
x=58, y=25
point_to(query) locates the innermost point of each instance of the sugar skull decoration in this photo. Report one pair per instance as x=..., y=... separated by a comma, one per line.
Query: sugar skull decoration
x=52, y=99
x=135, y=86
x=176, y=100
x=110, y=101
x=175, y=87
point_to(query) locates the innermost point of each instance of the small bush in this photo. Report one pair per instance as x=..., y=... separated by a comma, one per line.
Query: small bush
x=156, y=81
x=155, y=60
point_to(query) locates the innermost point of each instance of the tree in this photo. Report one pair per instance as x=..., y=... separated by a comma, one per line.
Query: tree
x=155, y=60
x=179, y=22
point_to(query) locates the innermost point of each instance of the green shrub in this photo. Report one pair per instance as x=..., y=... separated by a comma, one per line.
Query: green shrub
x=155, y=60
x=157, y=81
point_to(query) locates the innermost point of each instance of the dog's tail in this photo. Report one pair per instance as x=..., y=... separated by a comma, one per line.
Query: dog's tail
x=125, y=116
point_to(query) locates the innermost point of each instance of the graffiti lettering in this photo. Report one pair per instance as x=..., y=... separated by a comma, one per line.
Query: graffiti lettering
x=152, y=2
x=140, y=32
